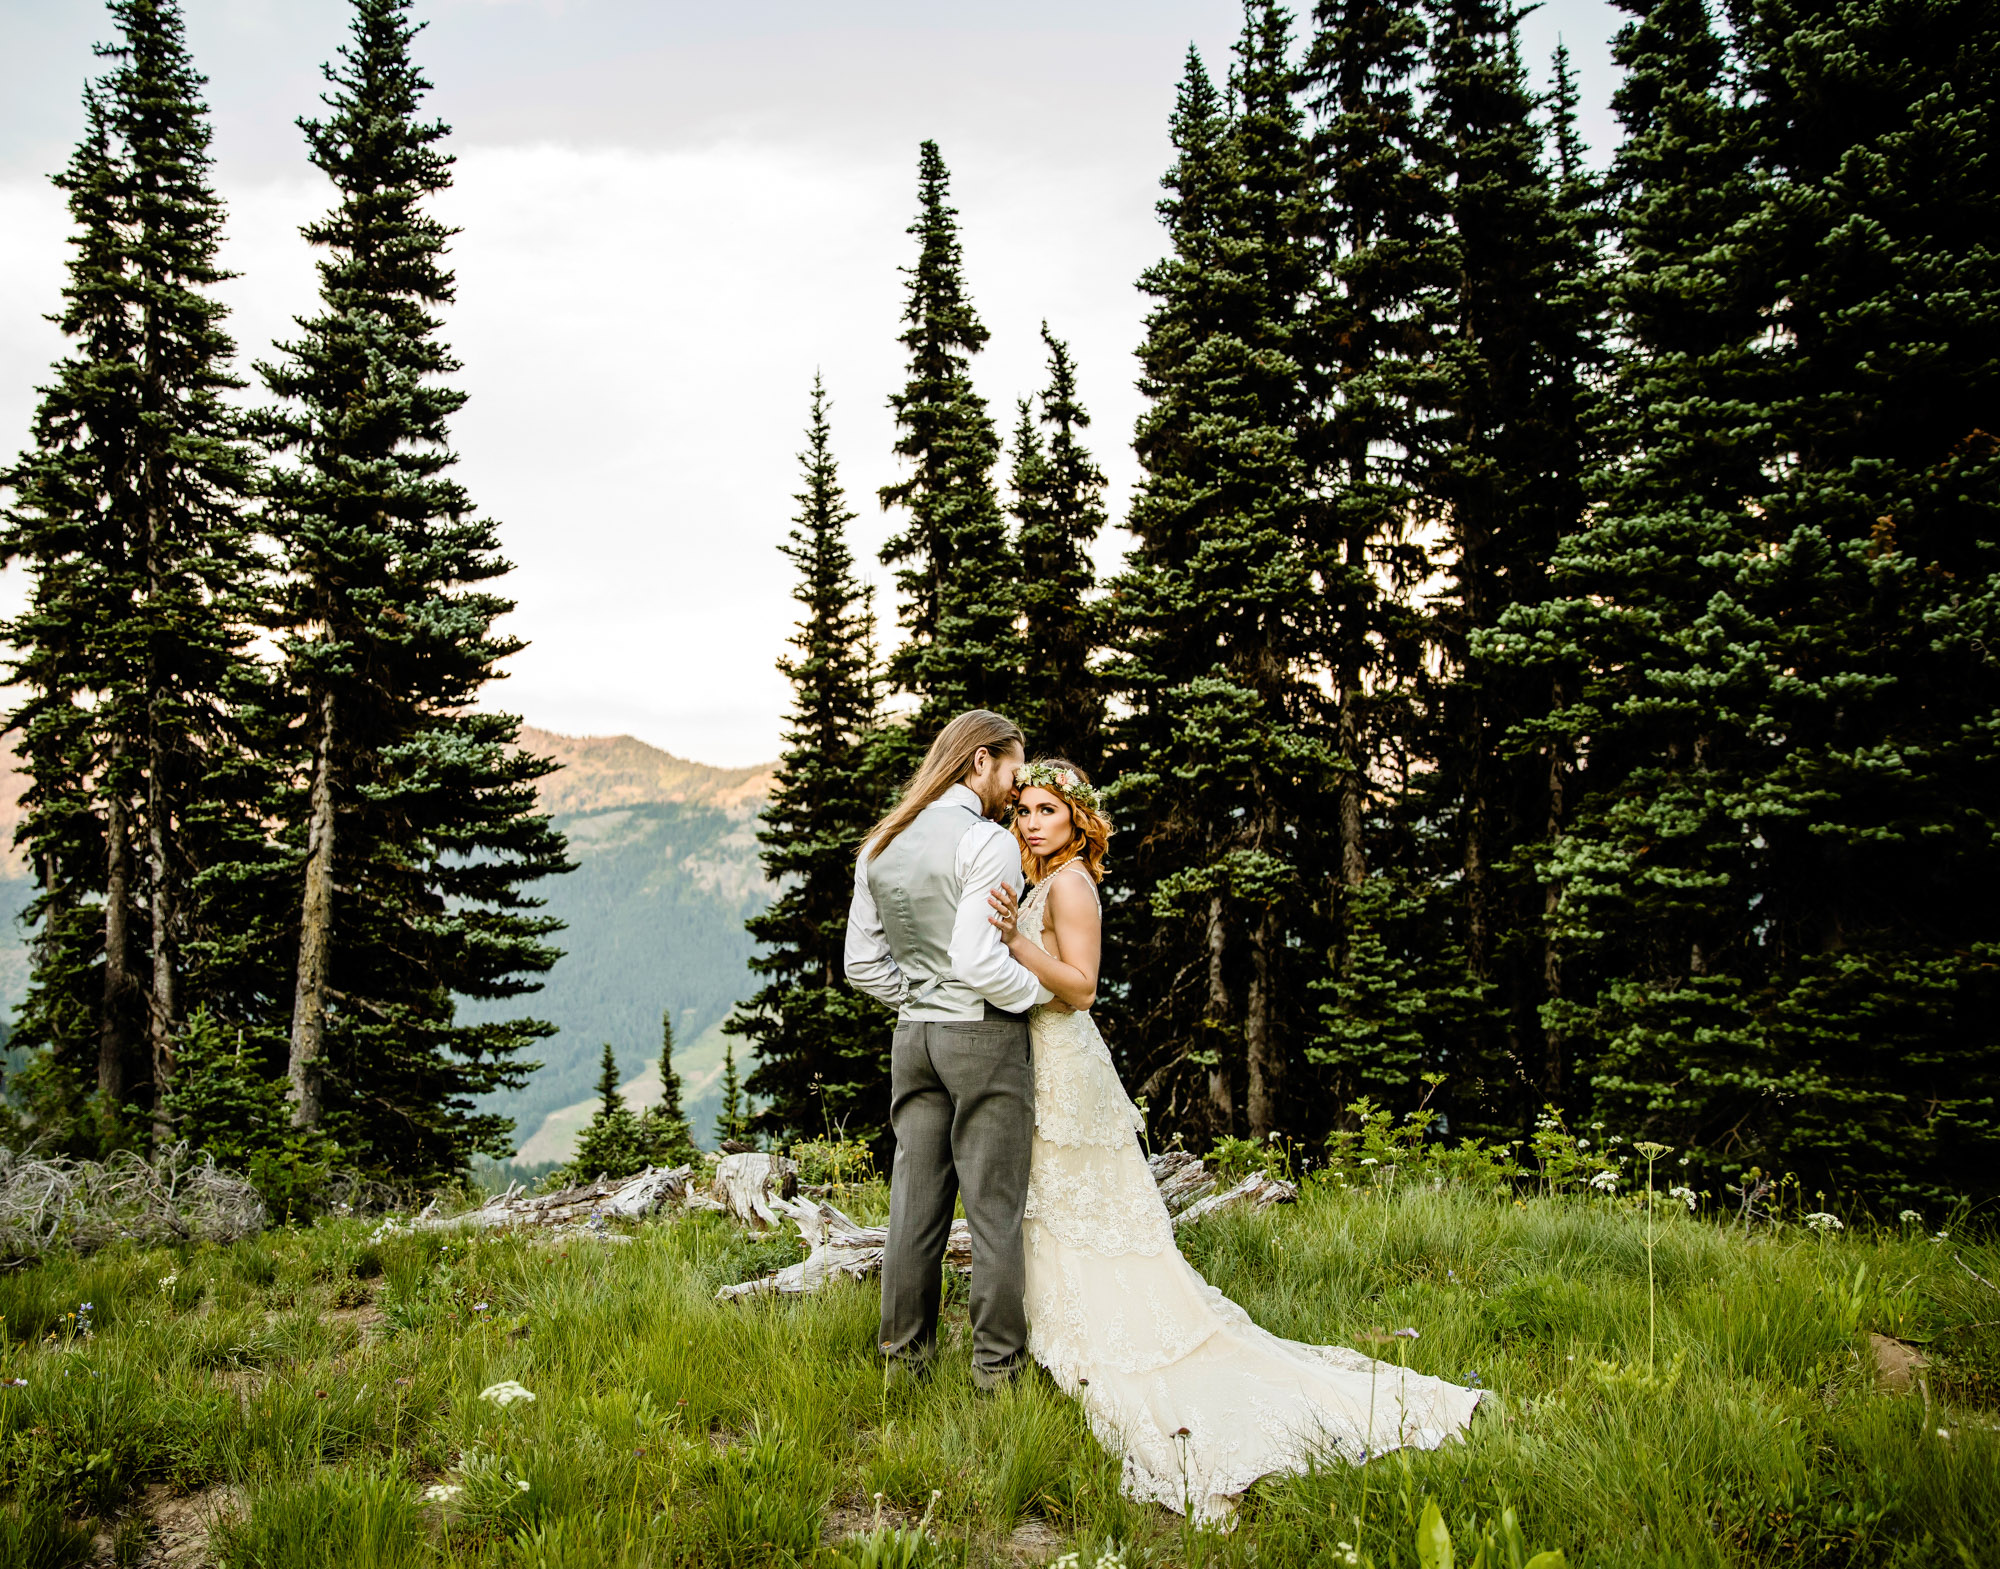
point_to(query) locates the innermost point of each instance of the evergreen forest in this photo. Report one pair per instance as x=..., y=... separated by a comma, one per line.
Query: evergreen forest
x=1552, y=681
x=1552, y=678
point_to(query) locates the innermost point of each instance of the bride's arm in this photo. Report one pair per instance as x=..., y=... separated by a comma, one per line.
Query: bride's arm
x=1079, y=938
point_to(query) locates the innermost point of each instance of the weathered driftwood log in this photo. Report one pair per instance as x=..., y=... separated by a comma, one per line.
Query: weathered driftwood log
x=839, y=1246
x=646, y=1194
x=745, y=1186
x=1256, y=1190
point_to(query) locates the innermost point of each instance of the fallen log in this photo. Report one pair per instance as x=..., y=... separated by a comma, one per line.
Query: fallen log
x=1257, y=1190
x=649, y=1192
x=839, y=1246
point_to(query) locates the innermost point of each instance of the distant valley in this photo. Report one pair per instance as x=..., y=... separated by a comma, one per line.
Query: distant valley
x=667, y=872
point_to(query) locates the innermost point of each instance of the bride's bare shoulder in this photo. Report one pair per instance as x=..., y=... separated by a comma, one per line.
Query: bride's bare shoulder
x=1073, y=893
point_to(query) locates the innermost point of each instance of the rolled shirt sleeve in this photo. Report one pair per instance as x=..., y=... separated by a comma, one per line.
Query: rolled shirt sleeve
x=870, y=966
x=987, y=857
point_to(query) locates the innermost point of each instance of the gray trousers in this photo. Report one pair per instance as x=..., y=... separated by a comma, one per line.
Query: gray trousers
x=962, y=1104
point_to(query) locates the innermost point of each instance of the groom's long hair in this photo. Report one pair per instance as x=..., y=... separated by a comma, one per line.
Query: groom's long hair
x=948, y=761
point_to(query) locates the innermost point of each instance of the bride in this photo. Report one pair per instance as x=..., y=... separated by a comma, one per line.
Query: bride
x=1170, y=1373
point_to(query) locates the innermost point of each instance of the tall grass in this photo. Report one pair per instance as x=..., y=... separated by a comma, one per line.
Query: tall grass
x=334, y=1380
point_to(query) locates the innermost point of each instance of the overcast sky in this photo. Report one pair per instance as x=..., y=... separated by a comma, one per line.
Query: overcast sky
x=673, y=213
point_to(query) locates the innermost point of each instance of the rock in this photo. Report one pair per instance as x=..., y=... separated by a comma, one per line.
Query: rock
x=1899, y=1366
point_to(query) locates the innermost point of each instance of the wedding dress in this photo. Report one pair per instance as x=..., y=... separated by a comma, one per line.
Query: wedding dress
x=1170, y=1373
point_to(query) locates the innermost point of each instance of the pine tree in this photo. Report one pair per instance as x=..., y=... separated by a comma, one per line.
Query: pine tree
x=1776, y=948
x=670, y=1081
x=1219, y=606
x=1059, y=507
x=664, y=1127
x=608, y=1098
x=731, y=1124
x=417, y=825
x=1504, y=464
x=1378, y=221
x=954, y=566
x=822, y=1049
x=128, y=517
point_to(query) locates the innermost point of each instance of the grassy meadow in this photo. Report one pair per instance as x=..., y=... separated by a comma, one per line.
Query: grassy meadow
x=318, y=1392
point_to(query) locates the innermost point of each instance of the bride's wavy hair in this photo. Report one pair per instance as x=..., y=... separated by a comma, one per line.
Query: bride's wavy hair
x=1092, y=827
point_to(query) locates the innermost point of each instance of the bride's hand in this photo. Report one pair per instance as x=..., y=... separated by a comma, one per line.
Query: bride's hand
x=1006, y=913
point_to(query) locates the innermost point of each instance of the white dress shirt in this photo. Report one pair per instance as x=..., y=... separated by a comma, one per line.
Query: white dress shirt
x=978, y=957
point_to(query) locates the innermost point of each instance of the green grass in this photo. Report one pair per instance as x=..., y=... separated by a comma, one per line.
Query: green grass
x=333, y=1379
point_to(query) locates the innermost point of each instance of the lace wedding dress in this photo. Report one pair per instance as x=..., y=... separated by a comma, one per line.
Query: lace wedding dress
x=1170, y=1373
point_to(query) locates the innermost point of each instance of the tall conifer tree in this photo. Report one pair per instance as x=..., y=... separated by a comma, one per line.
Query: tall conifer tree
x=132, y=649
x=821, y=1047
x=1220, y=607
x=1776, y=945
x=1502, y=481
x=416, y=824
x=1059, y=506
x=954, y=565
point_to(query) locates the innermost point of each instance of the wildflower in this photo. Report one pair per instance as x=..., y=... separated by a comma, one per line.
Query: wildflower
x=1402, y=1334
x=1616, y=1138
x=1941, y=1236
x=1583, y=1144
x=13, y=1383
x=480, y=1307
x=1911, y=1217
x=1945, y=1433
x=1682, y=1161
x=167, y=1282
x=442, y=1492
x=1472, y=1380
x=1685, y=1195
x=1347, y=1555
x=1597, y=1127
x=520, y=1484
x=1822, y=1222
x=506, y=1392
x=1605, y=1181
x=1369, y=1160
x=1652, y=1149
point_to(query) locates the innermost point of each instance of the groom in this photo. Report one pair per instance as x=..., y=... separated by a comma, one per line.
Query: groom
x=961, y=1085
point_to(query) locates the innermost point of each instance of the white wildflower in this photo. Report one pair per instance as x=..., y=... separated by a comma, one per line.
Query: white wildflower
x=1685, y=1195
x=1369, y=1160
x=442, y=1492
x=520, y=1483
x=1605, y=1181
x=1822, y=1222
x=505, y=1393
x=1911, y=1217
x=1583, y=1144
x=167, y=1282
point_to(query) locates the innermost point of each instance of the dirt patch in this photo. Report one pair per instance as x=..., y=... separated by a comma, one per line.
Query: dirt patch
x=856, y=1516
x=366, y=1318
x=1032, y=1542
x=178, y=1526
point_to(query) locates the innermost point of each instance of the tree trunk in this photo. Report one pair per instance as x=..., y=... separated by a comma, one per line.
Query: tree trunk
x=315, y=934
x=1260, y=1039
x=117, y=1034
x=1221, y=1098
x=163, y=1017
x=1552, y=1043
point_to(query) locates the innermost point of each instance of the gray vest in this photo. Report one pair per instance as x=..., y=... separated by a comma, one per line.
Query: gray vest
x=916, y=891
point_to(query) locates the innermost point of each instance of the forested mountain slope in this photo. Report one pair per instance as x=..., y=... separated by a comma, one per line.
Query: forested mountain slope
x=666, y=873
x=666, y=855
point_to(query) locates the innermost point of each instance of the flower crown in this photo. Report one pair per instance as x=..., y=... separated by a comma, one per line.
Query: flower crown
x=1059, y=781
